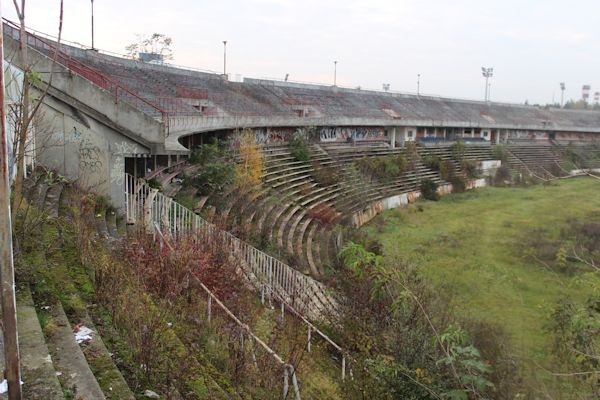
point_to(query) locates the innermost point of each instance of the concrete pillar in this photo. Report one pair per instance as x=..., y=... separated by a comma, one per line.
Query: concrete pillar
x=393, y=138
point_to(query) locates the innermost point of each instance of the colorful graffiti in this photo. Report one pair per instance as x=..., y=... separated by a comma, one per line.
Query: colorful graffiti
x=340, y=134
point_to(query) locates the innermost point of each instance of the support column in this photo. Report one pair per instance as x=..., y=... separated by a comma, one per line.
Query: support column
x=393, y=138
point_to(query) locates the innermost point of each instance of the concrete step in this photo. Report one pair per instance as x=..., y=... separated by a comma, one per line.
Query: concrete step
x=75, y=373
x=37, y=369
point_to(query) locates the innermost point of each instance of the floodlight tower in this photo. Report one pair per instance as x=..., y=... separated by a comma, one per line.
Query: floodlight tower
x=487, y=74
x=225, y=57
x=93, y=48
x=562, y=94
x=335, y=73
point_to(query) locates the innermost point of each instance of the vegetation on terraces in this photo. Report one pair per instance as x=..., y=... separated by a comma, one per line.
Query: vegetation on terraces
x=383, y=168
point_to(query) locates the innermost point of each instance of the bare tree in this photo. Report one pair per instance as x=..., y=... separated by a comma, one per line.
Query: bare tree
x=29, y=107
x=157, y=43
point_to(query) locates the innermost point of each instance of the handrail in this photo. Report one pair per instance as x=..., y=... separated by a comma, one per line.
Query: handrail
x=86, y=71
x=269, y=275
x=211, y=296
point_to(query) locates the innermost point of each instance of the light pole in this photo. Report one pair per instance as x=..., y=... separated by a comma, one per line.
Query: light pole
x=225, y=57
x=487, y=74
x=335, y=73
x=562, y=94
x=418, y=84
x=93, y=48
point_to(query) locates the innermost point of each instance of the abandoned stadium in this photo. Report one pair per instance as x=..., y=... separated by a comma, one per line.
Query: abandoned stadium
x=330, y=159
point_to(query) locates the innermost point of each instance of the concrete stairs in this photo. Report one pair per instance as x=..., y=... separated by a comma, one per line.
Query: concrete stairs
x=54, y=365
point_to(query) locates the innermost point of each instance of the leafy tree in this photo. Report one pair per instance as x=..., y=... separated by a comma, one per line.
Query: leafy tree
x=251, y=165
x=299, y=147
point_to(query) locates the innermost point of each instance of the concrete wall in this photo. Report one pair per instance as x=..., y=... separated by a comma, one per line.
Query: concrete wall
x=83, y=150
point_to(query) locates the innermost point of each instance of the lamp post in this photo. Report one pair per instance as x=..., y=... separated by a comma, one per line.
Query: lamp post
x=562, y=94
x=93, y=48
x=487, y=74
x=335, y=73
x=225, y=57
x=418, y=84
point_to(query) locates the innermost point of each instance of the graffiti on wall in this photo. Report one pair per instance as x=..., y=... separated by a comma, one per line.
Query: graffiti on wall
x=339, y=134
x=273, y=135
x=527, y=135
x=117, y=172
x=90, y=156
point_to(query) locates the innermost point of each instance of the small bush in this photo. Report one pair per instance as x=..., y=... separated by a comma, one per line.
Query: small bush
x=458, y=150
x=500, y=153
x=429, y=189
x=385, y=168
x=206, y=153
x=447, y=170
x=502, y=176
x=432, y=162
x=458, y=184
x=323, y=213
x=154, y=184
x=299, y=148
x=469, y=168
x=214, y=176
x=324, y=175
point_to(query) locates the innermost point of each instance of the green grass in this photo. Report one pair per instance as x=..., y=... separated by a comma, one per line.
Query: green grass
x=472, y=246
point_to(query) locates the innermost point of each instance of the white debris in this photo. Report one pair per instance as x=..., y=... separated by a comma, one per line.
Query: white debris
x=151, y=395
x=4, y=386
x=83, y=334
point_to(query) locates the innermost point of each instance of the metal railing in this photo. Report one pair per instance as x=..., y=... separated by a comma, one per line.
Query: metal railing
x=276, y=281
x=119, y=91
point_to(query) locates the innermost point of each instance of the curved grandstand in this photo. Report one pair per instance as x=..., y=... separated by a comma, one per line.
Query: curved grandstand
x=143, y=119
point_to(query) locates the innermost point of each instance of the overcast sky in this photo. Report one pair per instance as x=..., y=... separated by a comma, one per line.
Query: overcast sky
x=531, y=44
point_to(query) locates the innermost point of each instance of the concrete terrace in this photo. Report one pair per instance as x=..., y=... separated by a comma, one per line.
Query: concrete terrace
x=187, y=102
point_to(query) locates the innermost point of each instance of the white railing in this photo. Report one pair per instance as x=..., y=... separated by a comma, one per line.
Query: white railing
x=301, y=295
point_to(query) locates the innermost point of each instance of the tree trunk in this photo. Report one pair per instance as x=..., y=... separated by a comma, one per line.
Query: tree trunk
x=21, y=132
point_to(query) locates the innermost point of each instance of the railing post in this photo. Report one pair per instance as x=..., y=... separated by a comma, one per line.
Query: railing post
x=285, y=382
x=343, y=368
x=208, y=308
x=309, y=332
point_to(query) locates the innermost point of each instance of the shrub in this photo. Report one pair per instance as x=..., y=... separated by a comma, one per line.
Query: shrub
x=324, y=175
x=299, y=148
x=429, y=189
x=502, y=176
x=432, y=162
x=469, y=168
x=500, y=153
x=154, y=184
x=458, y=150
x=206, y=153
x=214, y=176
x=323, y=213
x=385, y=168
x=447, y=170
x=458, y=184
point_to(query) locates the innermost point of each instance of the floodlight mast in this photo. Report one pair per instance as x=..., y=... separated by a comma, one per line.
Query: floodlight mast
x=487, y=74
x=335, y=73
x=562, y=94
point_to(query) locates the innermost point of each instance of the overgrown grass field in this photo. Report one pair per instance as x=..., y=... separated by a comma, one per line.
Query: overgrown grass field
x=475, y=245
